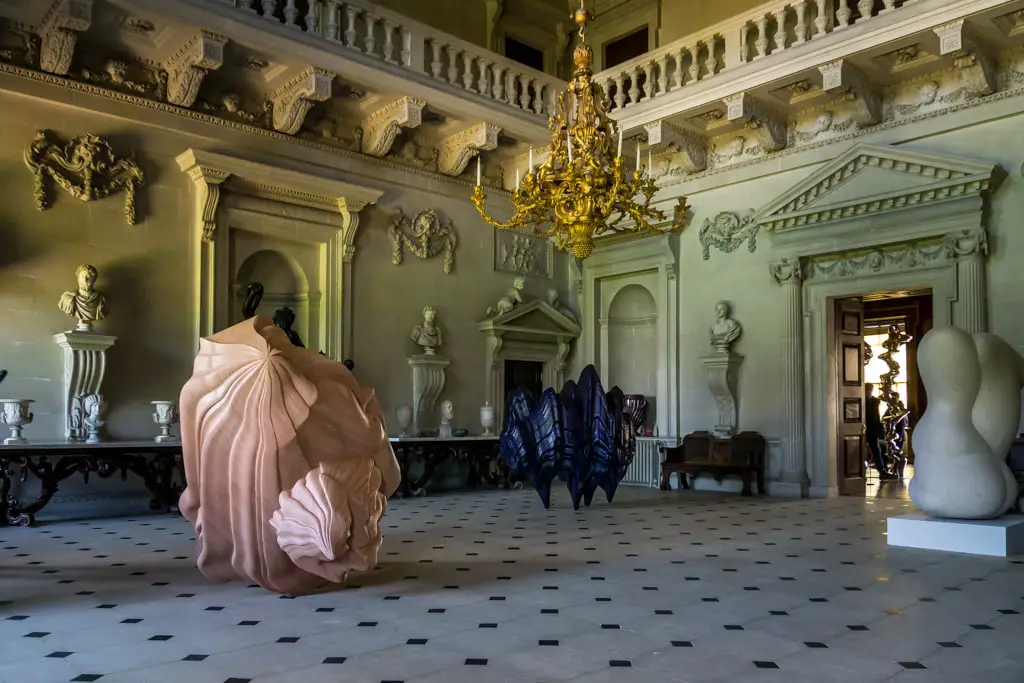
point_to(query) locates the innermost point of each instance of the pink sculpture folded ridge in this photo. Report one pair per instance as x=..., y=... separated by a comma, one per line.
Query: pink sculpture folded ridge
x=287, y=461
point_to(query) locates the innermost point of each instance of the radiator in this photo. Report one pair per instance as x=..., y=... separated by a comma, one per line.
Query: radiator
x=646, y=467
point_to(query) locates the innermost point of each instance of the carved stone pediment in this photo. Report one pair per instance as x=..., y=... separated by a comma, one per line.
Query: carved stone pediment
x=873, y=180
x=533, y=318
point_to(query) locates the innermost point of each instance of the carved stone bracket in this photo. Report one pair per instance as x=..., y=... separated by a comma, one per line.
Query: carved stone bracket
x=426, y=235
x=694, y=150
x=770, y=126
x=202, y=52
x=845, y=79
x=786, y=271
x=382, y=126
x=722, y=369
x=455, y=151
x=86, y=168
x=59, y=30
x=293, y=100
x=971, y=56
x=349, y=209
x=208, y=183
x=727, y=232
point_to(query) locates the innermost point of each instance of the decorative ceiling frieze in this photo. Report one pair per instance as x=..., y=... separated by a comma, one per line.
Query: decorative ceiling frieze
x=199, y=53
x=972, y=57
x=693, y=157
x=853, y=86
x=59, y=30
x=456, y=150
x=382, y=126
x=293, y=100
x=768, y=125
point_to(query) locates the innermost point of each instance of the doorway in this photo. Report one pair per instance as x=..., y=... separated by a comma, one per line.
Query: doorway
x=879, y=396
x=528, y=374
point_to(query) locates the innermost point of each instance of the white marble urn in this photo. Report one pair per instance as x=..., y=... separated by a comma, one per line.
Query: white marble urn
x=487, y=418
x=404, y=415
x=165, y=414
x=16, y=413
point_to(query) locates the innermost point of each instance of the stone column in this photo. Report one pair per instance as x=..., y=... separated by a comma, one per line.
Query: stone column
x=970, y=248
x=794, y=481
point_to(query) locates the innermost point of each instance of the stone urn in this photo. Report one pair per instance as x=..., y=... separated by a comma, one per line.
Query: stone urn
x=165, y=414
x=16, y=413
x=404, y=415
x=487, y=418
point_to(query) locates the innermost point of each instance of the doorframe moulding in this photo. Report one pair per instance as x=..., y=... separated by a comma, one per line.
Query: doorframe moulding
x=213, y=173
x=618, y=259
x=927, y=235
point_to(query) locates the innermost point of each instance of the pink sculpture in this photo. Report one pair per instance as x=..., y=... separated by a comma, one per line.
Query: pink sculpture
x=287, y=460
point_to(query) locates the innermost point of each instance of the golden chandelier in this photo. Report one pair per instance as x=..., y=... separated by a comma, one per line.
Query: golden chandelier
x=582, y=189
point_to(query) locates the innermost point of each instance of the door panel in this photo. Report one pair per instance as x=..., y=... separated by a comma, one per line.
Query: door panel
x=850, y=447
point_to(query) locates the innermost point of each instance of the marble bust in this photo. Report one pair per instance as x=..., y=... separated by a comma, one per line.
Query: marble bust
x=447, y=415
x=428, y=334
x=84, y=303
x=726, y=330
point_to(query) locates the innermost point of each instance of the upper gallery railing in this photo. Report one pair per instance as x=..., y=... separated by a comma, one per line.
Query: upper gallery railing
x=361, y=26
x=765, y=30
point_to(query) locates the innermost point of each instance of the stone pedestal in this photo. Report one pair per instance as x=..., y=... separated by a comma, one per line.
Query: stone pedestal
x=1002, y=537
x=428, y=375
x=85, y=364
x=722, y=369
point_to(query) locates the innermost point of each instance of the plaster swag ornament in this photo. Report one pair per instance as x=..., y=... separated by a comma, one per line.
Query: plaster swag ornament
x=85, y=167
x=428, y=334
x=727, y=232
x=426, y=235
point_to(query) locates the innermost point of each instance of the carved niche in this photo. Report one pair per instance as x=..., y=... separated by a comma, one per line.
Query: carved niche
x=727, y=232
x=426, y=235
x=85, y=167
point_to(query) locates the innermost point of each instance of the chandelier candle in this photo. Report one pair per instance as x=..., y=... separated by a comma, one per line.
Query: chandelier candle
x=582, y=190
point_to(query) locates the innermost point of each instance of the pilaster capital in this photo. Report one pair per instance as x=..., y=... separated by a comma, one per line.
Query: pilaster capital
x=786, y=272
x=966, y=243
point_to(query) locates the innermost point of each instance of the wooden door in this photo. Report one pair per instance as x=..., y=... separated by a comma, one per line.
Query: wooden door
x=851, y=449
x=525, y=373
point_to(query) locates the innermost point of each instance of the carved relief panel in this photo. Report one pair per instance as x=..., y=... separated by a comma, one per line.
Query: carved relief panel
x=523, y=254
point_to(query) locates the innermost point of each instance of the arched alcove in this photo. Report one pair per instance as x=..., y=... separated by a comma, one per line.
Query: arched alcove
x=633, y=341
x=284, y=284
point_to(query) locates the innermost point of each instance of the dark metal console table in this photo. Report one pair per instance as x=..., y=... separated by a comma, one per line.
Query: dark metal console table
x=480, y=453
x=159, y=465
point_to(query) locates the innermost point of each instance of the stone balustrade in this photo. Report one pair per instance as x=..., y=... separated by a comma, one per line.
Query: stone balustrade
x=394, y=39
x=765, y=30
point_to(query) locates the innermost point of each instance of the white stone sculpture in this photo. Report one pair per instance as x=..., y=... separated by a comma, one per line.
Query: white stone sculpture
x=487, y=418
x=447, y=415
x=165, y=414
x=957, y=474
x=404, y=415
x=92, y=406
x=726, y=330
x=84, y=303
x=16, y=413
x=428, y=334
x=512, y=298
x=555, y=301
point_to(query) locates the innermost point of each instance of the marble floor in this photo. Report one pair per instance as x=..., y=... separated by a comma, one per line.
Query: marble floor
x=489, y=587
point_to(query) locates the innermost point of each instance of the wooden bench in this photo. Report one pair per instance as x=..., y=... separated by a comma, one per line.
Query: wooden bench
x=742, y=454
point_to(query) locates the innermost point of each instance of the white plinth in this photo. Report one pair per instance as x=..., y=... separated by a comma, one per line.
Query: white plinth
x=85, y=364
x=1001, y=537
x=428, y=375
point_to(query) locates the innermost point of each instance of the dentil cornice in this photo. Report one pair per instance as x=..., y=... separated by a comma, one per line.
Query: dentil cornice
x=382, y=126
x=199, y=53
x=455, y=151
x=694, y=158
x=973, y=58
x=767, y=124
x=59, y=30
x=293, y=100
x=843, y=78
